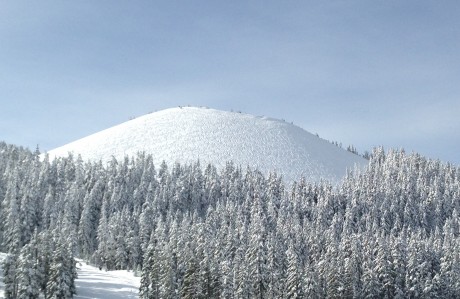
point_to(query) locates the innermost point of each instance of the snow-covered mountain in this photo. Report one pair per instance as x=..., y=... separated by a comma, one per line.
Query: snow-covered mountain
x=186, y=134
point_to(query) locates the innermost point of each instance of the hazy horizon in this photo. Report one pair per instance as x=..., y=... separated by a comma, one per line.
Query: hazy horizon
x=357, y=72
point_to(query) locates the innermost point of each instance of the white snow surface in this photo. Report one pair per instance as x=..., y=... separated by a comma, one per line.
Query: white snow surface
x=100, y=284
x=93, y=283
x=189, y=134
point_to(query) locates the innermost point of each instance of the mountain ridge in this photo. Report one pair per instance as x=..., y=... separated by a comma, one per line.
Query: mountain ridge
x=188, y=134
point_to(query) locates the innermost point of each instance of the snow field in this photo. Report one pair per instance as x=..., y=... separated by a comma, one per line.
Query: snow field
x=93, y=283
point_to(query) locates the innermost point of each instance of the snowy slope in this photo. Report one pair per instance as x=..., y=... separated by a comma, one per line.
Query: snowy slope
x=2, y=286
x=93, y=283
x=213, y=136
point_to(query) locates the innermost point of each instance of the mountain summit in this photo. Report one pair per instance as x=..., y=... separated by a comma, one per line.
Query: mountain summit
x=188, y=134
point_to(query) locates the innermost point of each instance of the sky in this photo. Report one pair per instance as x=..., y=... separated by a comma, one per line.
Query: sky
x=366, y=73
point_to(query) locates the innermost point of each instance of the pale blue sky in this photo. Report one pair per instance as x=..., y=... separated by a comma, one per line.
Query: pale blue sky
x=365, y=73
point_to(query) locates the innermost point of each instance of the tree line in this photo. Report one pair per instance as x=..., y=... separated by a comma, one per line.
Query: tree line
x=194, y=231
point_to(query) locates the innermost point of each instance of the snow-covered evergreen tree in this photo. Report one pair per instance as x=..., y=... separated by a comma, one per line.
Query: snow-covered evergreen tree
x=9, y=276
x=293, y=284
x=27, y=272
x=390, y=231
x=61, y=283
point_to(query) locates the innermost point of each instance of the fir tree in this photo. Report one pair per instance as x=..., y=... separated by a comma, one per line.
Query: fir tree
x=9, y=276
x=27, y=272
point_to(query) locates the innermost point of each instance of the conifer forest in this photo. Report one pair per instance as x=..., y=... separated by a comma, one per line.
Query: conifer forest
x=195, y=231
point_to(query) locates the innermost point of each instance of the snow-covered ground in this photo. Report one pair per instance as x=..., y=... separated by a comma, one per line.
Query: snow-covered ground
x=94, y=283
x=213, y=136
x=2, y=286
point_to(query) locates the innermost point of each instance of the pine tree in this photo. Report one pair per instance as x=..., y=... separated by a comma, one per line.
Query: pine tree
x=256, y=254
x=9, y=276
x=89, y=221
x=133, y=243
x=293, y=288
x=191, y=287
x=384, y=269
x=28, y=215
x=226, y=281
x=276, y=266
x=12, y=240
x=27, y=272
x=149, y=288
x=399, y=265
x=118, y=231
x=61, y=284
x=351, y=252
x=311, y=286
x=44, y=256
x=147, y=219
x=242, y=278
x=371, y=284
x=155, y=272
x=168, y=276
